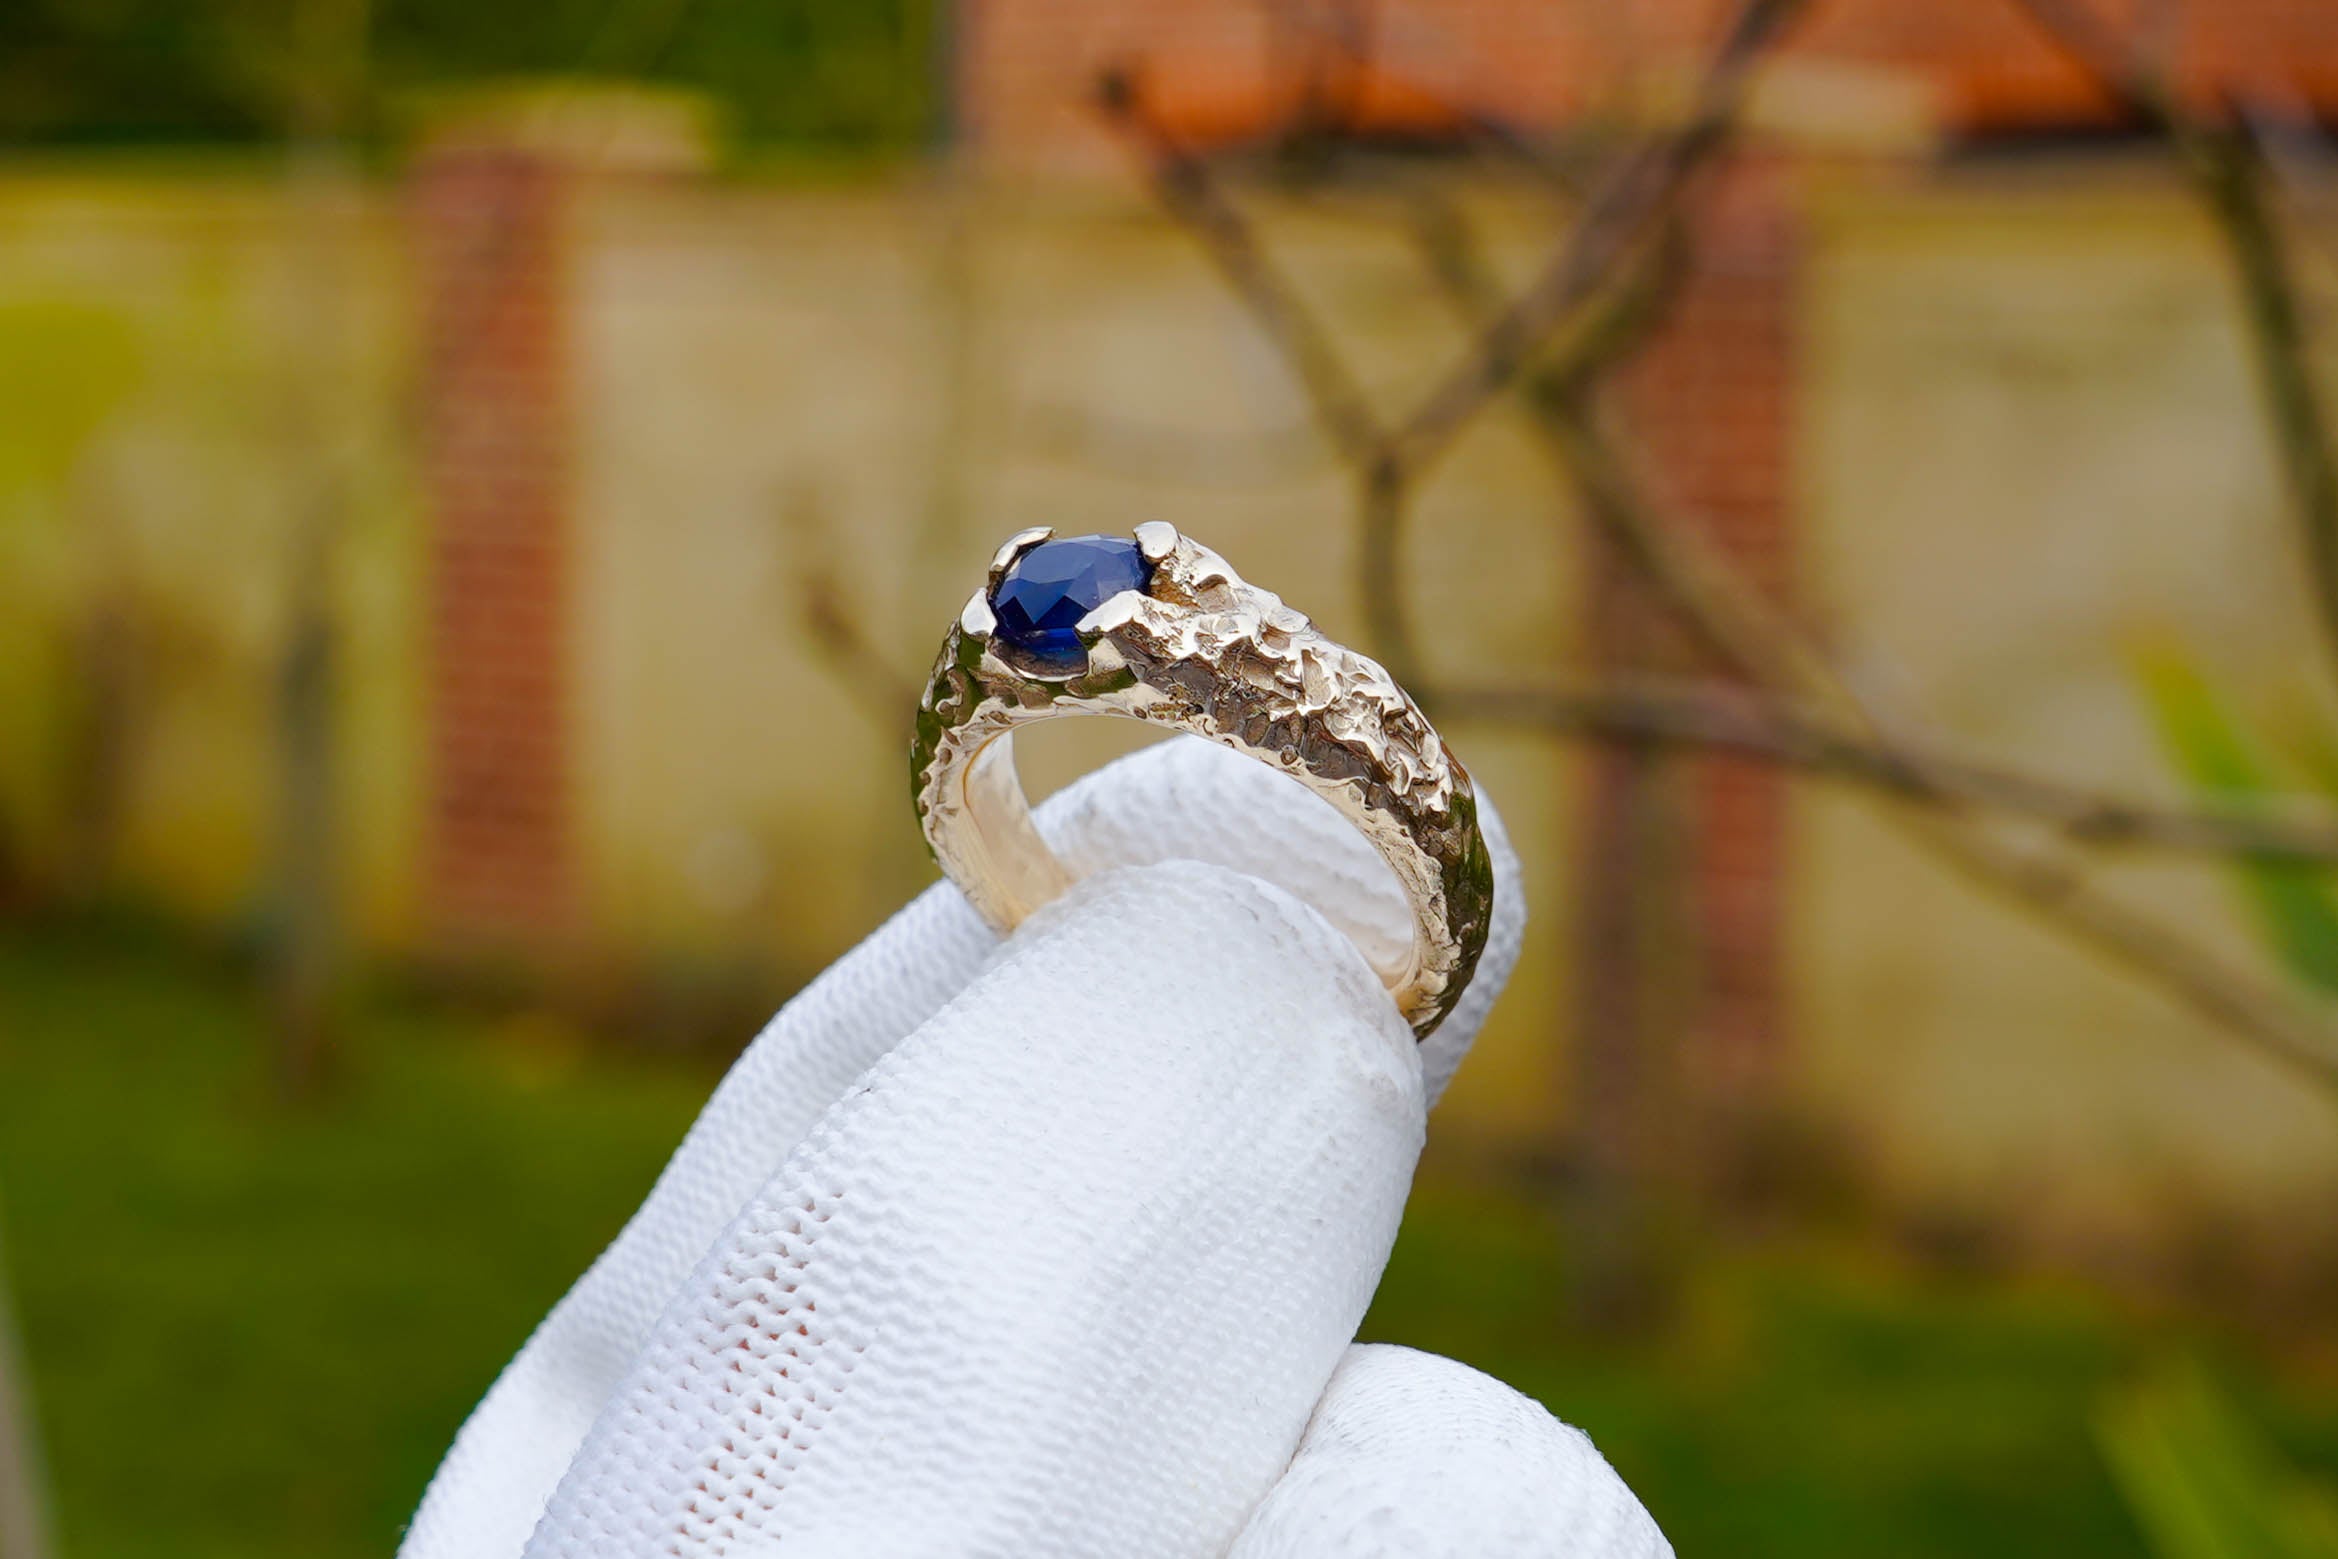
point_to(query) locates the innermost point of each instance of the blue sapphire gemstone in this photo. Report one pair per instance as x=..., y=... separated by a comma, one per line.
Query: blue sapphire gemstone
x=1047, y=590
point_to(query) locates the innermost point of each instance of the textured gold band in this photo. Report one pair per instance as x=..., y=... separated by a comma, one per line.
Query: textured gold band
x=1199, y=650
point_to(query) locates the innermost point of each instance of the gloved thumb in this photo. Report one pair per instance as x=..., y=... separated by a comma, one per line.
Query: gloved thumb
x=1064, y=1273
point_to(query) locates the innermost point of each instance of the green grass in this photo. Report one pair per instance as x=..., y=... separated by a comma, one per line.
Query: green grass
x=1809, y=1402
x=252, y=1331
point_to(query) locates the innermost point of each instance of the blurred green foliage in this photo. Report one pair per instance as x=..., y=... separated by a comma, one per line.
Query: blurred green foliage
x=1818, y=1399
x=282, y=1318
x=2205, y=1483
x=854, y=78
x=2292, y=902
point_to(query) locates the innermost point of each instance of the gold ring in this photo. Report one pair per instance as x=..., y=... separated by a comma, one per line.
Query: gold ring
x=1160, y=629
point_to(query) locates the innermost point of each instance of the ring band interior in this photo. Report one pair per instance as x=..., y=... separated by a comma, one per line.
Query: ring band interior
x=1017, y=869
x=1020, y=869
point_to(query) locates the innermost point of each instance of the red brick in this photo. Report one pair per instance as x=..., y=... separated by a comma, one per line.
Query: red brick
x=490, y=245
x=1708, y=404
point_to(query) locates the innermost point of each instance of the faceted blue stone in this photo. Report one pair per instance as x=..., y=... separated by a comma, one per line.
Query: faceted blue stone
x=1047, y=590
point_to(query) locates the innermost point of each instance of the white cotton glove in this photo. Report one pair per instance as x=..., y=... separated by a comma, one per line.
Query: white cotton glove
x=1049, y=1246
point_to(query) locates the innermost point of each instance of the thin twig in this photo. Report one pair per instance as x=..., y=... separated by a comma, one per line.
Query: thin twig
x=1182, y=185
x=1737, y=624
x=1634, y=204
x=857, y=664
x=1727, y=613
x=2042, y=880
x=2047, y=883
x=1758, y=641
x=1365, y=52
x=2229, y=175
x=814, y=585
x=1755, y=724
x=1626, y=210
x=1382, y=497
x=1629, y=210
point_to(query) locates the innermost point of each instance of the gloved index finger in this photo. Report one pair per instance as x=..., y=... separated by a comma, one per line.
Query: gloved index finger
x=1179, y=799
x=1064, y=1274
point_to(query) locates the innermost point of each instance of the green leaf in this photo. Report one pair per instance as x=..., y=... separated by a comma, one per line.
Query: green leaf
x=2292, y=901
x=2205, y=1483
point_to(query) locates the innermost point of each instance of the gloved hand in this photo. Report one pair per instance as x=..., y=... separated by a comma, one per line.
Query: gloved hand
x=1049, y=1246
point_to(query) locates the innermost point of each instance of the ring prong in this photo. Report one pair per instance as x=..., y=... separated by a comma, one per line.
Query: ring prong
x=976, y=620
x=1016, y=545
x=1156, y=539
x=1116, y=612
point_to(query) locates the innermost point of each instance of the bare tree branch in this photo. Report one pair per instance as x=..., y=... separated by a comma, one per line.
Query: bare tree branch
x=2228, y=173
x=1366, y=49
x=862, y=668
x=1754, y=724
x=1733, y=621
x=1382, y=496
x=1625, y=211
x=856, y=663
x=1841, y=737
x=1725, y=611
x=1182, y=184
x=1811, y=715
x=1694, y=580
x=2048, y=884
x=1732, y=615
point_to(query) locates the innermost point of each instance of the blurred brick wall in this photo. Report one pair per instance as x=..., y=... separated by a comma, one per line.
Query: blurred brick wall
x=2023, y=361
x=1709, y=404
x=1700, y=841
x=491, y=271
x=1232, y=69
x=493, y=237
